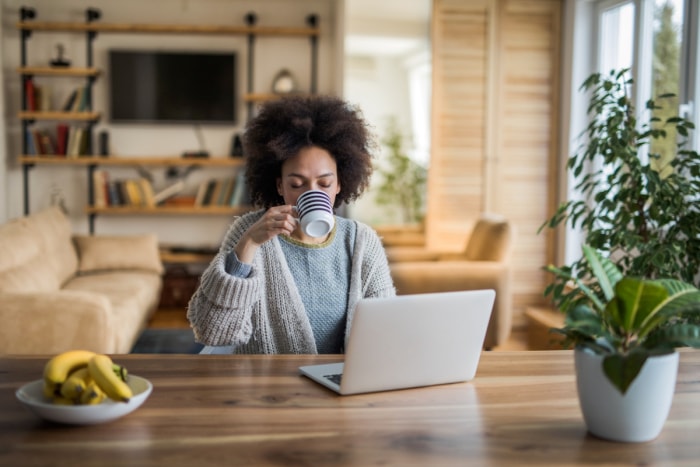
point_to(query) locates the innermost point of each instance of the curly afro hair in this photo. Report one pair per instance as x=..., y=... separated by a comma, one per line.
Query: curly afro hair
x=285, y=126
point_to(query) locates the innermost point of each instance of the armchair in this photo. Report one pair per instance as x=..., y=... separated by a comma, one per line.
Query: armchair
x=484, y=264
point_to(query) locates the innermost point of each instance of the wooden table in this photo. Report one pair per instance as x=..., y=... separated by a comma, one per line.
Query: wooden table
x=236, y=410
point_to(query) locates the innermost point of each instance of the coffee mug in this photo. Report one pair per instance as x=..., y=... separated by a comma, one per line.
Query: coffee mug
x=315, y=213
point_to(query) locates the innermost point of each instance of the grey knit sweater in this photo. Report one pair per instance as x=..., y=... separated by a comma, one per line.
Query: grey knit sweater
x=264, y=313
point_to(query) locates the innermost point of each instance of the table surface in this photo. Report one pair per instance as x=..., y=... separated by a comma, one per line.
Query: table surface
x=520, y=409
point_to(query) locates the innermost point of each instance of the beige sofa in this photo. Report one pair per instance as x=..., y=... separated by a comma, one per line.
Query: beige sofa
x=60, y=291
x=484, y=264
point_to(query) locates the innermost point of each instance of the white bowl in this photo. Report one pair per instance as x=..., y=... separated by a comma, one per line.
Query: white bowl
x=32, y=396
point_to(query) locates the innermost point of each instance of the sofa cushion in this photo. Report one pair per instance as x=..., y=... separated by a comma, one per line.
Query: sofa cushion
x=54, y=231
x=24, y=266
x=112, y=253
x=133, y=297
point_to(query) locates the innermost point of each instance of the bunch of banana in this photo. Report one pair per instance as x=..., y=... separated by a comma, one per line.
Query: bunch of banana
x=84, y=377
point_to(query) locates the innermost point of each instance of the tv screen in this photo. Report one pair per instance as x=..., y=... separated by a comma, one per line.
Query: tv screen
x=172, y=87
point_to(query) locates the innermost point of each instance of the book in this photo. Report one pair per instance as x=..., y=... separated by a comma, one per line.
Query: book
x=78, y=99
x=168, y=192
x=100, y=191
x=211, y=185
x=83, y=143
x=29, y=143
x=147, y=192
x=232, y=192
x=214, y=199
x=47, y=145
x=43, y=98
x=84, y=103
x=61, y=139
x=133, y=192
x=115, y=198
x=76, y=135
x=123, y=195
x=30, y=94
x=68, y=105
x=201, y=191
x=225, y=194
x=36, y=140
x=239, y=196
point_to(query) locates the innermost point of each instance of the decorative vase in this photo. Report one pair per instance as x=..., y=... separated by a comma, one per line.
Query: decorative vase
x=634, y=417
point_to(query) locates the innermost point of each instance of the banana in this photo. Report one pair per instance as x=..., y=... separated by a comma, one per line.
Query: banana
x=120, y=371
x=76, y=383
x=60, y=366
x=101, y=370
x=60, y=400
x=50, y=391
x=92, y=394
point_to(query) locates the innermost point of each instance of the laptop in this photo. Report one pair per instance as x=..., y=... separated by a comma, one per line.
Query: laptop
x=410, y=341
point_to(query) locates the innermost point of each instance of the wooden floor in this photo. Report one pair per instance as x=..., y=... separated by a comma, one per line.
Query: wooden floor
x=175, y=318
x=169, y=318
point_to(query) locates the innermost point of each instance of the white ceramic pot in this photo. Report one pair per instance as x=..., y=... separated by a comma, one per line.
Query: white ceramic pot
x=639, y=414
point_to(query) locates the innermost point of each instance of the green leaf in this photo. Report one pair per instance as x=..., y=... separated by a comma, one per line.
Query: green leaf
x=637, y=300
x=673, y=336
x=621, y=370
x=605, y=271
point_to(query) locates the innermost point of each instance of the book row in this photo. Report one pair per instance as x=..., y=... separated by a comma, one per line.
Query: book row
x=229, y=191
x=129, y=192
x=39, y=98
x=67, y=141
x=139, y=192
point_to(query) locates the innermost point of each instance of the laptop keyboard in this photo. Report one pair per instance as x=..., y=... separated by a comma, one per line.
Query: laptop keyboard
x=334, y=378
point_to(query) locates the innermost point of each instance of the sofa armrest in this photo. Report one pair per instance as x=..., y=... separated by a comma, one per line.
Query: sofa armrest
x=445, y=276
x=52, y=322
x=450, y=276
x=100, y=253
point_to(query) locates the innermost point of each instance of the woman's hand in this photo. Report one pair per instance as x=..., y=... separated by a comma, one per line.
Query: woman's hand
x=276, y=220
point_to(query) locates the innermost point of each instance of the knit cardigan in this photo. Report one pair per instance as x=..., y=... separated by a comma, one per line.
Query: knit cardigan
x=263, y=313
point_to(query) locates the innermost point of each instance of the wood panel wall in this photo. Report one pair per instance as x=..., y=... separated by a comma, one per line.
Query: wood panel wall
x=495, y=127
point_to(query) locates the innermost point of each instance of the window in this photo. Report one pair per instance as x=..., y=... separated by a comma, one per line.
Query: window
x=658, y=41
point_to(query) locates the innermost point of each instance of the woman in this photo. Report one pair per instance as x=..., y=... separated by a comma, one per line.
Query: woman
x=271, y=288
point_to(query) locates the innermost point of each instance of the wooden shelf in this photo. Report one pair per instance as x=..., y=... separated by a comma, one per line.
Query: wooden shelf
x=177, y=210
x=55, y=115
x=90, y=29
x=261, y=97
x=57, y=71
x=167, y=29
x=219, y=161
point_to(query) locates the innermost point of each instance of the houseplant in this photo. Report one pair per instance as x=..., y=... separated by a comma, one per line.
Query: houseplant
x=404, y=179
x=629, y=300
x=625, y=330
x=635, y=207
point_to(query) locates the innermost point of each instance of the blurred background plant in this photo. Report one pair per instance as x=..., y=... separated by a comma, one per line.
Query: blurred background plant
x=404, y=180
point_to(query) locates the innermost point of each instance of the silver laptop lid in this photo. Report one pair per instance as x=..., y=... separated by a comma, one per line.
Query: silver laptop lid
x=416, y=340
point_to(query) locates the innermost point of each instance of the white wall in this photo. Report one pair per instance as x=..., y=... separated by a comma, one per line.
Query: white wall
x=272, y=54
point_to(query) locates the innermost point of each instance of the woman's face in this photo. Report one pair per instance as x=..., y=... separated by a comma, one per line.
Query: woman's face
x=312, y=168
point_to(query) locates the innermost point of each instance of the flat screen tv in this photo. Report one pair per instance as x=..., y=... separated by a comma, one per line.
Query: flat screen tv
x=172, y=87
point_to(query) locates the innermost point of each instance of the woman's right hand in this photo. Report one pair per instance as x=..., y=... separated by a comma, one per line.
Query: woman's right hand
x=276, y=220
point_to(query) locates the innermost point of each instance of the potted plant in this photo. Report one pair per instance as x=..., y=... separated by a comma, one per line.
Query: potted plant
x=630, y=300
x=404, y=179
x=625, y=331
